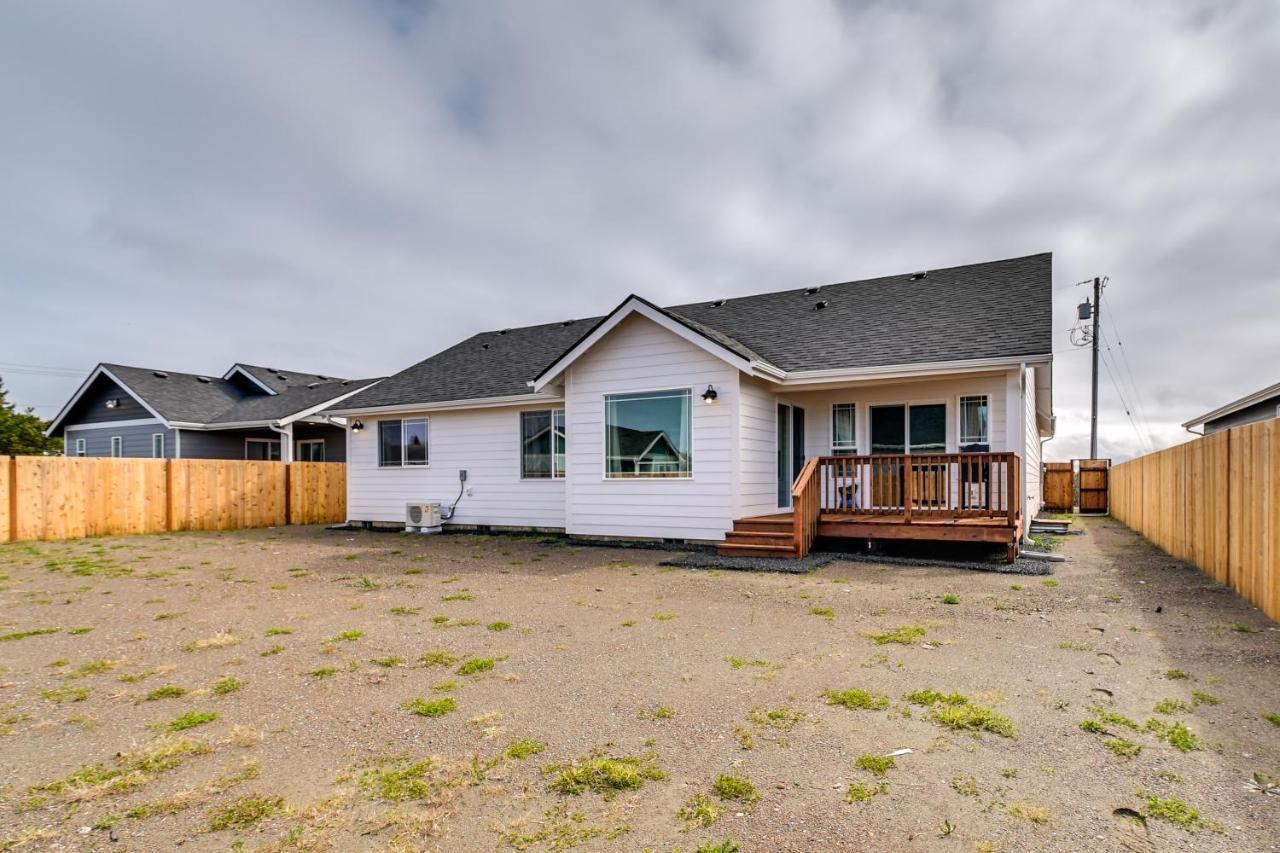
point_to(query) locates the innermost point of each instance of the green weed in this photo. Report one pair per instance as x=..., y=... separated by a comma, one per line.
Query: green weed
x=857, y=699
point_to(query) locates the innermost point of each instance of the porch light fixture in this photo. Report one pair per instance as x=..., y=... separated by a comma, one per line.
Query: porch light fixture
x=356, y=426
x=111, y=404
x=709, y=396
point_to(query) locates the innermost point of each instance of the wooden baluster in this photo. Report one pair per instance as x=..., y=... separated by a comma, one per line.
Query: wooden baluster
x=908, y=491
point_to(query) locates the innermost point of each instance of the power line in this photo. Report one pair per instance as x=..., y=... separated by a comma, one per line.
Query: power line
x=1142, y=442
x=1124, y=356
x=41, y=370
x=1132, y=389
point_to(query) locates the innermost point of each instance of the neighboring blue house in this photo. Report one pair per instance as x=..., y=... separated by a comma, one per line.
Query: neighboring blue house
x=249, y=412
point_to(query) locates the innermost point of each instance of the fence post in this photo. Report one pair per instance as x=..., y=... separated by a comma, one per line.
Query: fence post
x=7, y=487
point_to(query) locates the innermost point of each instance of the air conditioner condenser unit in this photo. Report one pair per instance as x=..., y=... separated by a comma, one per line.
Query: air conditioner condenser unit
x=422, y=517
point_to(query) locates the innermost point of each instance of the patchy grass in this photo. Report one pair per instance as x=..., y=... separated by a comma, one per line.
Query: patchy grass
x=169, y=691
x=1175, y=674
x=1202, y=698
x=856, y=698
x=346, y=637
x=606, y=775
x=191, y=719
x=94, y=667
x=734, y=787
x=1177, y=735
x=22, y=635
x=699, y=810
x=1030, y=813
x=1272, y=717
x=930, y=697
x=826, y=612
x=1123, y=747
x=1173, y=706
x=223, y=686
x=860, y=792
x=739, y=663
x=405, y=611
x=950, y=598
x=522, y=748
x=662, y=712
x=244, y=812
x=221, y=640
x=432, y=707
x=278, y=632
x=389, y=663
x=323, y=672
x=399, y=780
x=1175, y=811
x=783, y=718
x=876, y=765
x=973, y=718
x=905, y=636
x=475, y=666
x=67, y=693
x=459, y=596
x=437, y=659
x=498, y=626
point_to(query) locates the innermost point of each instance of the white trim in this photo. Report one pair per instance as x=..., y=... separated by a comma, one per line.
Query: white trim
x=100, y=370
x=604, y=436
x=831, y=426
x=403, y=466
x=933, y=368
x=306, y=413
x=177, y=443
x=520, y=449
x=476, y=403
x=117, y=442
x=635, y=305
x=960, y=398
x=80, y=447
x=238, y=368
x=154, y=436
x=110, y=424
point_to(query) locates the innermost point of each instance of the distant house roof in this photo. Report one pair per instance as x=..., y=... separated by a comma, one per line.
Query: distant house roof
x=208, y=400
x=992, y=310
x=281, y=380
x=1244, y=402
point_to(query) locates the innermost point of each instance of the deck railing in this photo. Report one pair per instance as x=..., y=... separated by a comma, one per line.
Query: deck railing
x=915, y=487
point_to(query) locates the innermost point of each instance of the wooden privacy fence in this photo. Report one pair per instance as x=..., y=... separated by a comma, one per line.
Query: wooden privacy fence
x=1215, y=502
x=57, y=497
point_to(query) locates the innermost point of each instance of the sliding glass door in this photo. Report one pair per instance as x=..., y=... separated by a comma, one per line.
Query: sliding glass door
x=790, y=444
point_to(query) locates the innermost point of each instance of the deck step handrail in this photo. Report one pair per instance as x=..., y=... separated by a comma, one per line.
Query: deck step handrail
x=914, y=486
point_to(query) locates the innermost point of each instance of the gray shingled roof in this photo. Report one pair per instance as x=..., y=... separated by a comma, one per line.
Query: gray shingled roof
x=280, y=380
x=192, y=398
x=996, y=309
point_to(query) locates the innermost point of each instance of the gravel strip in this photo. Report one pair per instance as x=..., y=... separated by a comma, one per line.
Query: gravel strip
x=818, y=559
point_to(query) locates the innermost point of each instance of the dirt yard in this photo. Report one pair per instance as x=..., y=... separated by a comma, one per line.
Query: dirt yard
x=304, y=689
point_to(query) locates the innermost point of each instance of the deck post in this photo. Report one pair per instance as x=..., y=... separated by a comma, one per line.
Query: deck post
x=907, y=489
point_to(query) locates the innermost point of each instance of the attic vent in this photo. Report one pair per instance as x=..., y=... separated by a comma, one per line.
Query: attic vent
x=717, y=303
x=272, y=370
x=916, y=276
x=205, y=379
x=282, y=377
x=322, y=378
x=313, y=384
x=159, y=374
x=819, y=306
x=812, y=290
x=346, y=382
x=484, y=346
x=568, y=322
x=504, y=331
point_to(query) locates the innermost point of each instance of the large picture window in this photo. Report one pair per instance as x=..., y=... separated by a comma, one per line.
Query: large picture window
x=648, y=435
x=975, y=430
x=542, y=444
x=843, y=435
x=402, y=443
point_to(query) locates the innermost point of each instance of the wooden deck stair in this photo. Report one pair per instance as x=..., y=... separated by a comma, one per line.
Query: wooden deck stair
x=765, y=536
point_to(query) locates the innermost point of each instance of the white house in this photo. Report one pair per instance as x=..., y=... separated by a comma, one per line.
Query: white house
x=909, y=406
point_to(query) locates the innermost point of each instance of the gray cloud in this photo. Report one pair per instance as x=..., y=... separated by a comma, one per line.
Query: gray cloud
x=347, y=188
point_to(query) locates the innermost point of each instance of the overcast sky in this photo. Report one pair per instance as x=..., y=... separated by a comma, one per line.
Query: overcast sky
x=347, y=188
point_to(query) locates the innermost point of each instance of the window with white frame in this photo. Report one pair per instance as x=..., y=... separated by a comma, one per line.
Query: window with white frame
x=117, y=446
x=975, y=424
x=542, y=444
x=157, y=445
x=80, y=451
x=843, y=430
x=311, y=450
x=648, y=435
x=402, y=443
x=262, y=449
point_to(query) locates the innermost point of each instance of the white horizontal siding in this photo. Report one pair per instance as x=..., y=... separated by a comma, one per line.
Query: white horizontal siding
x=639, y=355
x=1031, y=452
x=758, y=440
x=486, y=442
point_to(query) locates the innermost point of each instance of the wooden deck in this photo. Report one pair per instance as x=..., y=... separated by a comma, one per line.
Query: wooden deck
x=943, y=498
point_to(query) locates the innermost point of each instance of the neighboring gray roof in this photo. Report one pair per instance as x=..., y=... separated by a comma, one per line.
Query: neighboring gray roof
x=491, y=364
x=997, y=309
x=193, y=398
x=280, y=380
x=1265, y=395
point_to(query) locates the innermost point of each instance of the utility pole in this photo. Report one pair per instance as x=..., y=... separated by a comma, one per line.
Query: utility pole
x=1093, y=420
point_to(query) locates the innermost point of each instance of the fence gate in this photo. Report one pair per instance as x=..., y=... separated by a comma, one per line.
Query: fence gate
x=1094, y=474
x=1059, y=486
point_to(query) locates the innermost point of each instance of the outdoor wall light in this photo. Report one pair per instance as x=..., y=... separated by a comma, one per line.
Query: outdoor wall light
x=356, y=426
x=709, y=396
x=111, y=404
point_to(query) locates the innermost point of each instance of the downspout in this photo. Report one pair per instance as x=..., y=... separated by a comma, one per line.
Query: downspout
x=286, y=443
x=1026, y=522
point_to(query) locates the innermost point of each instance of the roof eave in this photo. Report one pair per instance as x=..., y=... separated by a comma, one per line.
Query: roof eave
x=1235, y=406
x=471, y=403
